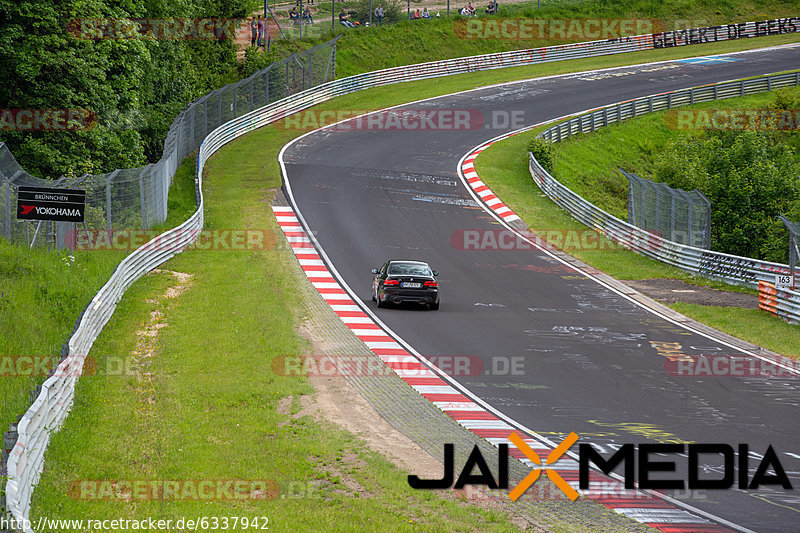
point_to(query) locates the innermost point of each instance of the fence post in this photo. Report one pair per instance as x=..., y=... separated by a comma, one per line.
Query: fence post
x=311, y=65
x=8, y=210
x=252, y=95
x=672, y=220
x=141, y=196
x=109, y=179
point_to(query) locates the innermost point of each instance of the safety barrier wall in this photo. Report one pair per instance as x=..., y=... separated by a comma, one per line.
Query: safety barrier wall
x=784, y=303
x=729, y=268
x=53, y=403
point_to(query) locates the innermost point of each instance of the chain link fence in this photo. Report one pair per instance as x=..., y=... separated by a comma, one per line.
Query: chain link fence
x=794, y=250
x=135, y=198
x=674, y=214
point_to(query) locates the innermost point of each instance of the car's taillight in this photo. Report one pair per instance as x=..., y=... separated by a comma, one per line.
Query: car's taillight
x=391, y=282
x=430, y=284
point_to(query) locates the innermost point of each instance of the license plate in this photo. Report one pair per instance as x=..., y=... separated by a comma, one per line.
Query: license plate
x=409, y=285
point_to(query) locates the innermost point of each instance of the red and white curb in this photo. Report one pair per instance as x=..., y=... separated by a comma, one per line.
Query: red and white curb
x=482, y=190
x=640, y=506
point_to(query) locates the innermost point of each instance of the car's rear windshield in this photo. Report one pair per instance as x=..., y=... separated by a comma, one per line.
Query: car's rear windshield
x=409, y=269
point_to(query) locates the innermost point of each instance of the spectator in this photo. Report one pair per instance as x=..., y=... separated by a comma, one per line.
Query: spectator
x=294, y=16
x=343, y=19
x=307, y=16
x=253, y=31
x=416, y=15
x=425, y=13
x=491, y=9
x=471, y=10
x=379, y=14
x=260, y=27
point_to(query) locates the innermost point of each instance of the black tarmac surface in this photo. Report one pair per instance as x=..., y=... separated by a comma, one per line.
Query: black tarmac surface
x=583, y=353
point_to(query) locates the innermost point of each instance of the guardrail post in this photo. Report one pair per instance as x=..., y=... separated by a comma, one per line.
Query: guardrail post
x=741, y=88
x=669, y=100
x=691, y=96
x=769, y=83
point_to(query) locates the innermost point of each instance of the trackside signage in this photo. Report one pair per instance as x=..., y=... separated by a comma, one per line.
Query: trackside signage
x=59, y=205
x=644, y=465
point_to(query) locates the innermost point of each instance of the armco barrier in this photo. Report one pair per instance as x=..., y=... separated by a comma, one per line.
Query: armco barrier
x=729, y=268
x=51, y=407
x=784, y=303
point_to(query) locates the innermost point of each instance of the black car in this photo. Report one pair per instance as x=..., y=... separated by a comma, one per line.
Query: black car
x=405, y=281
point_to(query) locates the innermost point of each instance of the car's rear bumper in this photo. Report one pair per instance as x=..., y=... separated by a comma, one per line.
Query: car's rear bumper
x=423, y=296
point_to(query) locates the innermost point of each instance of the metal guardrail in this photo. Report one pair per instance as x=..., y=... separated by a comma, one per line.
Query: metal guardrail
x=725, y=267
x=54, y=402
x=783, y=303
x=137, y=197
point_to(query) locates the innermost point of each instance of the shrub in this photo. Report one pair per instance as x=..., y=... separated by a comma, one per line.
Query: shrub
x=543, y=151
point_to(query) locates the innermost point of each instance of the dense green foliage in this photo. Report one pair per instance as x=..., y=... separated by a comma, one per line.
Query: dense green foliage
x=135, y=87
x=749, y=177
x=543, y=151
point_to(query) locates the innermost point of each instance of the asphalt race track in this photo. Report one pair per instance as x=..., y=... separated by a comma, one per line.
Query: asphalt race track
x=587, y=363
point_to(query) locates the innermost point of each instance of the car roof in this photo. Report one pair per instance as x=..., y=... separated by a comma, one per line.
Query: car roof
x=407, y=261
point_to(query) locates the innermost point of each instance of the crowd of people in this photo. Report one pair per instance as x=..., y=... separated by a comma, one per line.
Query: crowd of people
x=258, y=26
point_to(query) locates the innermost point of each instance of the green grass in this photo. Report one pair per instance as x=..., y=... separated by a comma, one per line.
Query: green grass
x=36, y=280
x=752, y=325
x=42, y=294
x=586, y=164
x=211, y=409
x=589, y=163
x=407, y=42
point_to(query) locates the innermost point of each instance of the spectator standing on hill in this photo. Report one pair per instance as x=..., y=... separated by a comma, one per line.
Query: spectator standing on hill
x=379, y=14
x=253, y=31
x=260, y=27
x=343, y=19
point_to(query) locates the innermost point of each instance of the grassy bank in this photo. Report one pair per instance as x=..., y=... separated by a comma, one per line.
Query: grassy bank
x=202, y=401
x=588, y=164
x=42, y=294
x=408, y=42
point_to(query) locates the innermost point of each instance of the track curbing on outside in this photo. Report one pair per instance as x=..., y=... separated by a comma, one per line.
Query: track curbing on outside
x=647, y=508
